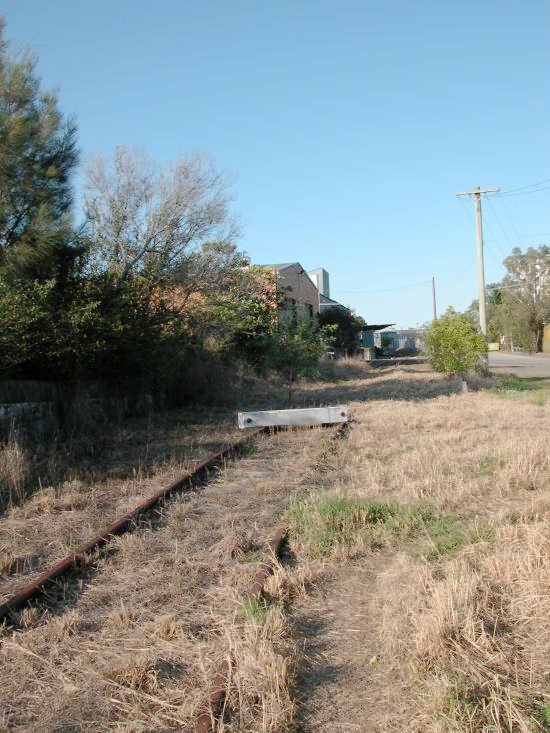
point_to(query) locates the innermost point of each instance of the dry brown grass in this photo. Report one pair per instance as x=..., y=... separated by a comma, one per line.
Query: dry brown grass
x=137, y=646
x=54, y=520
x=13, y=472
x=474, y=633
x=457, y=625
x=442, y=610
x=472, y=452
x=99, y=442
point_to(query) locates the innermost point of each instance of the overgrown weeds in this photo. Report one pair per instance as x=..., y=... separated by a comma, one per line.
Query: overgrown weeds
x=346, y=368
x=323, y=522
x=14, y=469
x=475, y=634
x=264, y=658
x=455, y=489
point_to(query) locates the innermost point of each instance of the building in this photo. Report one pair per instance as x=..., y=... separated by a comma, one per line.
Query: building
x=322, y=282
x=369, y=336
x=305, y=293
x=395, y=342
x=320, y=278
x=299, y=292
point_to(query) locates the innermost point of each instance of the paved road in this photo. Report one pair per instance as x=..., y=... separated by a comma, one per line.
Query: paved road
x=522, y=365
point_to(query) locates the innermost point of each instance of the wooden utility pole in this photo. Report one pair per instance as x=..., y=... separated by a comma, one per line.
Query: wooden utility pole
x=476, y=193
x=433, y=298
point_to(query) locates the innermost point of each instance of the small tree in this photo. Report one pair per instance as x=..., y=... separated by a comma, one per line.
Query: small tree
x=295, y=350
x=347, y=326
x=454, y=346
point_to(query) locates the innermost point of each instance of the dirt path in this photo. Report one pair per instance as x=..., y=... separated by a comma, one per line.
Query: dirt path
x=339, y=687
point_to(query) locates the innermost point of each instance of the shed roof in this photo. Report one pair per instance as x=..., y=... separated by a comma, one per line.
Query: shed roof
x=376, y=327
x=330, y=303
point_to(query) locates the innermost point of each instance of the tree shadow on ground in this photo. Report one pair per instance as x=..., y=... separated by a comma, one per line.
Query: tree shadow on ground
x=366, y=391
x=314, y=671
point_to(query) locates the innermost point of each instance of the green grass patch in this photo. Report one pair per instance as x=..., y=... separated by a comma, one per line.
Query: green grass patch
x=488, y=465
x=545, y=713
x=252, y=557
x=523, y=484
x=324, y=523
x=462, y=698
x=254, y=609
x=535, y=390
x=449, y=533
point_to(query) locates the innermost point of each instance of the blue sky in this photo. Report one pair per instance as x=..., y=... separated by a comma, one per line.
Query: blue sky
x=348, y=125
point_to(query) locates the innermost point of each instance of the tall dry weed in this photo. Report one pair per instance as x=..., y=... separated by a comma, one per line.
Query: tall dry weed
x=264, y=659
x=14, y=468
x=473, y=634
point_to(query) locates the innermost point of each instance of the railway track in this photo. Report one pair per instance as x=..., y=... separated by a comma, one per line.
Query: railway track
x=209, y=710
x=123, y=524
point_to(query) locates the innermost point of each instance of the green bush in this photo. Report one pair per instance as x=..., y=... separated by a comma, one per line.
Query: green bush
x=454, y=346
x=295, y=350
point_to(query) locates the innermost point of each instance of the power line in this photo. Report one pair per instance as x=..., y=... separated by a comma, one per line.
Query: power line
x=500, y=224
x=521, y=236
x=531, y=185
x=510, y=219
x=490, y=228
x=492, y=253
x=448, y=285
x=510, y=287
x=384, y=290
x=526, y=193
x=465, y=209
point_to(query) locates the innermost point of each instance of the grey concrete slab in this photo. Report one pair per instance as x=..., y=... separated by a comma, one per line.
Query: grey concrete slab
x=297, y=417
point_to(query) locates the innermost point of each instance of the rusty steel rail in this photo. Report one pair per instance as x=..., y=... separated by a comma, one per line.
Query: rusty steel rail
x=209, y=712
x=212, y=708
x=123, y=524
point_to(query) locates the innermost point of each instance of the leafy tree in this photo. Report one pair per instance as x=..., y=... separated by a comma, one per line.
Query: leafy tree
x=39, y=339
x=526, y=293
x=347, y=327
x=519, y=305
x=26, y=323
x=294, y=350
x=237, y=319
x=454, y=346
x=37, y=156
x=493, y=299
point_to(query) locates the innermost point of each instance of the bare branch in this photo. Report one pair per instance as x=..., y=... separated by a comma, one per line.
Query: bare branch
x=146, y=217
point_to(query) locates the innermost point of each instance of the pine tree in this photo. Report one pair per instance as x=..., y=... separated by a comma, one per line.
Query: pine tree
x=37, y=156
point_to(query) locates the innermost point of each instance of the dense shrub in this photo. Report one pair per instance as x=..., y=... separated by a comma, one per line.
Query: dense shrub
x=454, y=346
